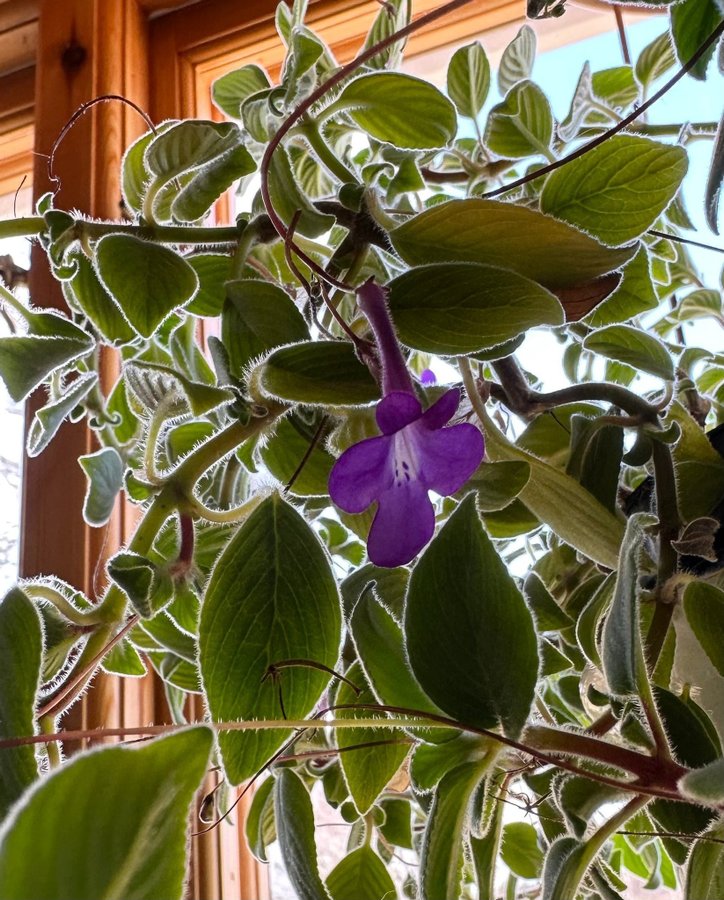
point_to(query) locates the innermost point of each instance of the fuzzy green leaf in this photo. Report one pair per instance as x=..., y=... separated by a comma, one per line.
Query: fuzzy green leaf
x=459, y=308
x=704, y=609
x=618, y=190
x=634, y=295
x=692, y=22
x=522, y=124
x=104, y=470
x=507, y=236
x=48, y=420
x=361, y=876
x=448, y=822
x=622, y=652
x=460, y=653
x=655, y=59
x=705, y=871
x=96, y=303
x=367, y=770
x=318, y=372
x=232, y=89
x=257, y=317
x=520, y=851
x=122, y=815
x=147, y=281
x=399, y=109
x=21, y=651
x=295, y=827
x=288, y=198
x=634, y=347
x=271, y=597
x=516, y=64
x=468, y=79
x=26, y=360
x=213, y=271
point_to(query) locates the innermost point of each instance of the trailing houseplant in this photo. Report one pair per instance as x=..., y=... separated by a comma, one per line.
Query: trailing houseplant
x=327, y=536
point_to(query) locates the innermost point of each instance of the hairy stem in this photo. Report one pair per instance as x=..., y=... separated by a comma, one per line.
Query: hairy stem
x=521, y=399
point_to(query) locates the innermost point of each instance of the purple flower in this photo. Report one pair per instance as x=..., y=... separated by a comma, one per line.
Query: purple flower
x=428, y=377
x=415, y=454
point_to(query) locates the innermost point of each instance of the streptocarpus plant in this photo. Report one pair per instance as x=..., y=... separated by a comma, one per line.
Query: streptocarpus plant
x=541, y=626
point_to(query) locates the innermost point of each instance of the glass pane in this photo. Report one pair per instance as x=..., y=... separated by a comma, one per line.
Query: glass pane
x=14, y=265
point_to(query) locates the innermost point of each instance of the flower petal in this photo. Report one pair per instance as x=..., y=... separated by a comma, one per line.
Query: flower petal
x=404, y=523
x=396, y=410
x=447, y=457
x=442, y=410
x=361, y=474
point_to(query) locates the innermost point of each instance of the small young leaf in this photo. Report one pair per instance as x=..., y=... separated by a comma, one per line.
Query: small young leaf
x=459, y=653
x=104, y=470
x=616, y=87
x=655, y=59
x=295, y=827
x=400, y=110
x=468, y=79
x=145, y=585
x=107, y=849
x=125, y=660
x=147, y=281
x=516, y=64
x=618, y=190
x=48, y=420
x=634, y=347
x=522, y=124
x=392, y=17
x=232, y=89
x=21, y=651
x=459, y=308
